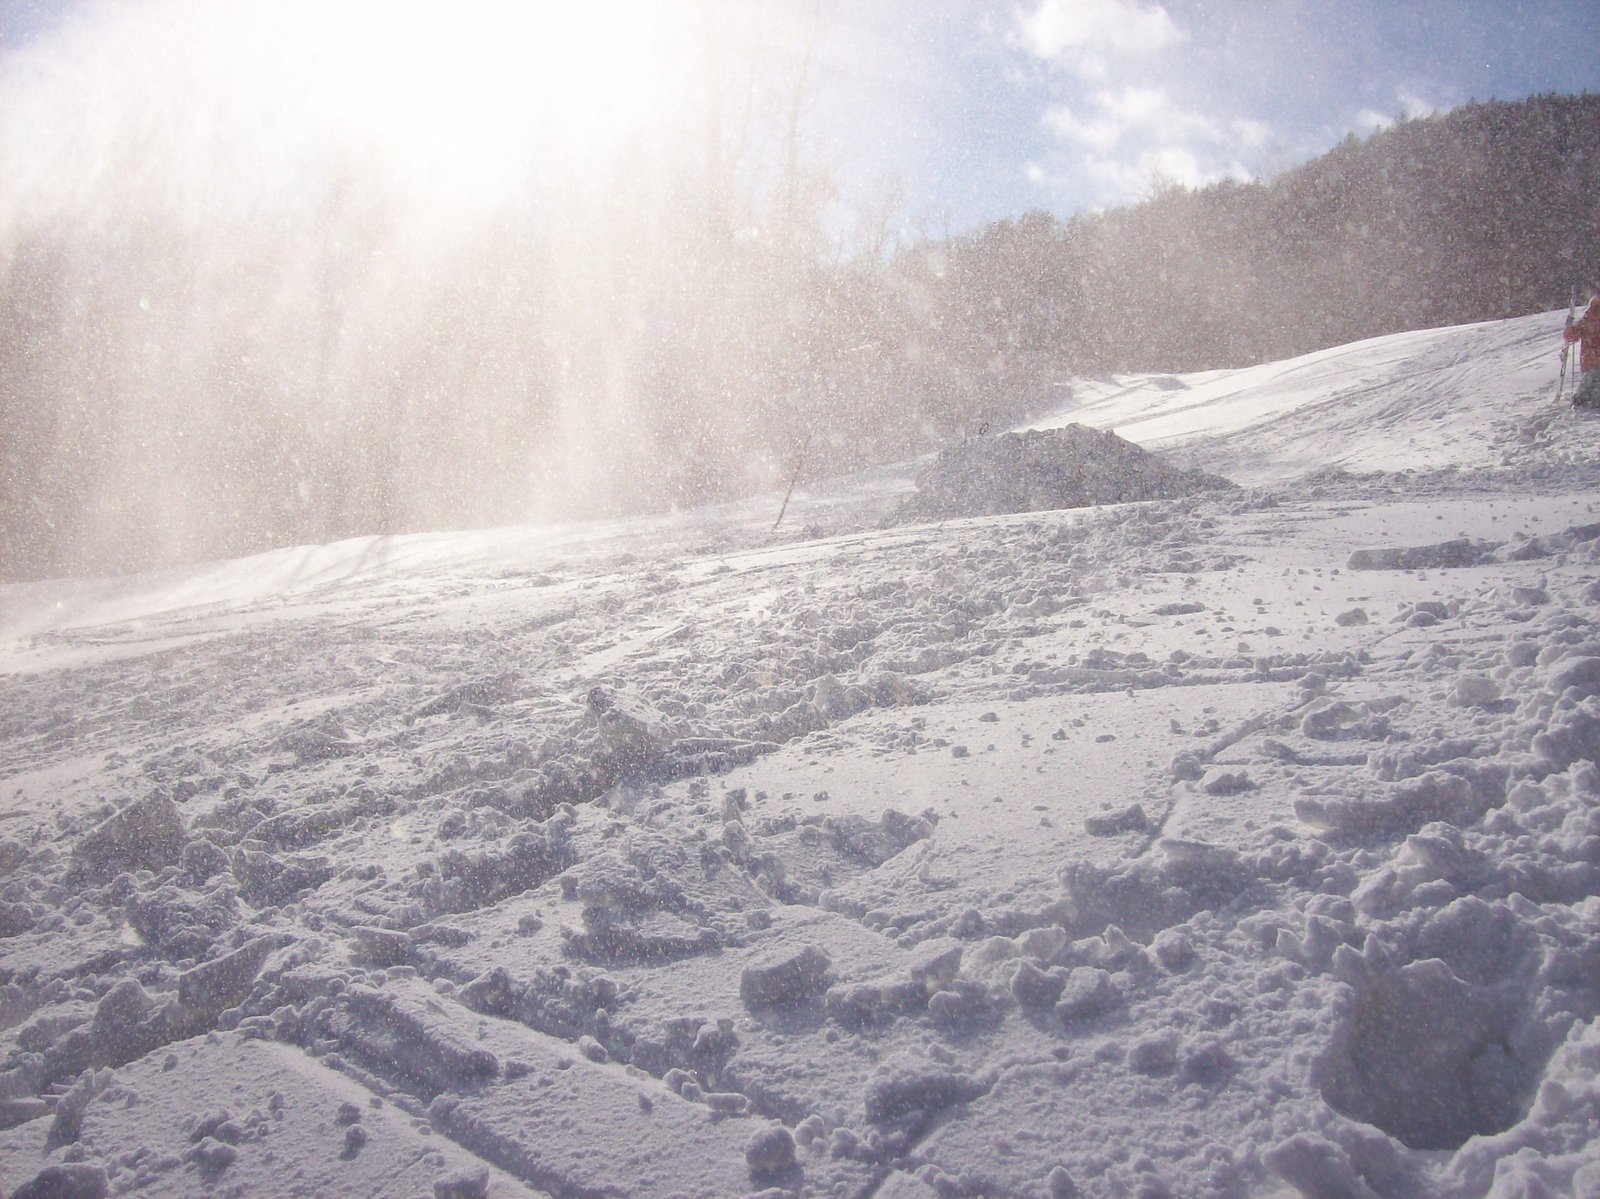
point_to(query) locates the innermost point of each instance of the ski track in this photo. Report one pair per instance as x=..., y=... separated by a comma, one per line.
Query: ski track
x=1228, y=846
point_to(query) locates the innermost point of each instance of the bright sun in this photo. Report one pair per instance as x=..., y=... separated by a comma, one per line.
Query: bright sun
x=469, y=95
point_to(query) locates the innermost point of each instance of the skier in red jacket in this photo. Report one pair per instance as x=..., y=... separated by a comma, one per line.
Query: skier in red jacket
x=1586, y=332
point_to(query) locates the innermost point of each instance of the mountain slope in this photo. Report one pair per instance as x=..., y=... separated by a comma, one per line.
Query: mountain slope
x=1241, y=844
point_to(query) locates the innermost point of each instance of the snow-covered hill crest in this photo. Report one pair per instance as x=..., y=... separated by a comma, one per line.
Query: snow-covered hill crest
x=1238, y=844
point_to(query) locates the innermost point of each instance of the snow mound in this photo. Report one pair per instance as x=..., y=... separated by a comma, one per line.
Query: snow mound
x=1041, y=469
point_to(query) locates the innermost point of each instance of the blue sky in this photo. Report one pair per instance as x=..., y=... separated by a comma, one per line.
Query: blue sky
x=991, y=109
x=950, y=113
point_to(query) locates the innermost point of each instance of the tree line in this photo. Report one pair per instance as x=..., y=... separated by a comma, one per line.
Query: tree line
x=174, y=389
x=1487, y=211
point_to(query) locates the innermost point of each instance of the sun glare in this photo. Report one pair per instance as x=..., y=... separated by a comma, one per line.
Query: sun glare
x=470, y=96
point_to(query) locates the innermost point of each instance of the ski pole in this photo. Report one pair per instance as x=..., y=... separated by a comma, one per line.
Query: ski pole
x=1566, y=346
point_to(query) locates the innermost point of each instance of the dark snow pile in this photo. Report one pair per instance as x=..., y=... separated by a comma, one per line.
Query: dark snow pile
x=1239, y=846
x=1041, y=469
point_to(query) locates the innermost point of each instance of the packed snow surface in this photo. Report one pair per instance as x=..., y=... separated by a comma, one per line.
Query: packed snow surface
x=1239, y=844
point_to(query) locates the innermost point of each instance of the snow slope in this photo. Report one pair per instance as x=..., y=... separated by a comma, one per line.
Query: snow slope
x=1240, y=845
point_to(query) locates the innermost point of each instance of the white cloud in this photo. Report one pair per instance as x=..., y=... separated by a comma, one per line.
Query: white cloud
x=1370, y=120
x=1410, y=106
x=1099, y=133
x=1123, y=137
x=1144, y=114
x=1133, y=178
x=1250, y=134
x=1126, y=139
x=1414, y=105
x=1151, y=111
x=1068, y=31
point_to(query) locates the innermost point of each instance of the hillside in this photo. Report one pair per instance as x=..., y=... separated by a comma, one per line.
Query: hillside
x=1479, y=213
x=184, y=384
x=1238, y=844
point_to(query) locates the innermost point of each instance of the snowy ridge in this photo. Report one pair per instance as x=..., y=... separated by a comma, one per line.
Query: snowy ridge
x=1242, y=844
x=1412, y=401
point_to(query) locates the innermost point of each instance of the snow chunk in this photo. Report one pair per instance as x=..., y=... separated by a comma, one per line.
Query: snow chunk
x=267, y=879
x=1059, y=1184
x=416, y=1036
x=1173, y=949
x=1088, y=992
x=1154, y=1054
x=1042, y=943
x=875, y=842
x=769, y=1152
x=964, y=1004
x=380, y=946
x=855, y=1005
x=75, y=1180
x=1316, y=1166
x=912, y=1092
x=145, y=835
x=1437, y=795
x=208, y=989
x=785, y=977
x=120, y=1025
x=1439, y=556
x=1131, y=819
x=1474, y=691
x=1580, y=673
x=12, y=854
x=1573, y=736
x=1424, y=1055
x=1227, y=782
x=463, y=1184
x=1035, y=988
